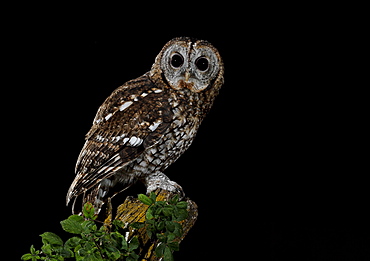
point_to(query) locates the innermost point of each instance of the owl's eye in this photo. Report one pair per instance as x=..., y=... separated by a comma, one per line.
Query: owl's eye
x=177, y=60
x=202, y=63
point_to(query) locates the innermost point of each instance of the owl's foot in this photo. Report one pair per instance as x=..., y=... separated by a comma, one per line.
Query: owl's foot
x=159, y=180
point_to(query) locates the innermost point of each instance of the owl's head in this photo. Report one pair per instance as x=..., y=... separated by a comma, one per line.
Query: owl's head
x=188, y=63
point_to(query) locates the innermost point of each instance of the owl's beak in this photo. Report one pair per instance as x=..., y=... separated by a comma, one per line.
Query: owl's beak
x=187, y=76
x=187, y=81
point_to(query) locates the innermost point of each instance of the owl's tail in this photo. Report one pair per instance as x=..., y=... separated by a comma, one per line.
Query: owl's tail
x=97, y=195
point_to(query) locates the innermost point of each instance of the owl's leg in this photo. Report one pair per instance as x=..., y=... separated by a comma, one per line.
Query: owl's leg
x=97, y=195
x=159, y=180
x=104, y=187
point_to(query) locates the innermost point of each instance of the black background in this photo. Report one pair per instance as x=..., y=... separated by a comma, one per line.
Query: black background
x=275, y=165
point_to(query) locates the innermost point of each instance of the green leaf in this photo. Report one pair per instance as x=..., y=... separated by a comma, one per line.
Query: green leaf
x=89, y=211
x=150, y=222
x=170, y=226
x=118, y=224
x=183, y=214
x=153, y=196
x=77, y=218
x=71, y=225
x=119, y=240
x=157, y=211
x=72, y=242
x=46, y=248
x=52, y=239
x=88, y=255
x=174, y=200
x=124, y=245
x=148, y=214
x=160, y=203
x=160, y=225
x=112, y=252
x=132, y=257
x=134, y=244
x=174, y=246
x=33, y=251
x=182, y=204
x=137, y=225
x=27, y=256
x=159, y=251
x=161, y=237
x=149, y=233
x=178, y=230
x=168, y=254
x=170, y=237
x=66, y=253
x=145, y=199
x=167, y=210
x=88, y=226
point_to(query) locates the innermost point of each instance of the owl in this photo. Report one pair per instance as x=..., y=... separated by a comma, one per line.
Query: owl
x=148, y=123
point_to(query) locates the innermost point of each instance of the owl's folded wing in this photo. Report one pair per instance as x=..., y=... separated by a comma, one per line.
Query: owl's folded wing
x=131, y=120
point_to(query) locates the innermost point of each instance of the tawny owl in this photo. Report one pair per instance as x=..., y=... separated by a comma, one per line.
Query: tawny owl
x=147, y=123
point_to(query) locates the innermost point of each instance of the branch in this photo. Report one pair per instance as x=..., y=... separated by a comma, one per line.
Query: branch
x=133, y=210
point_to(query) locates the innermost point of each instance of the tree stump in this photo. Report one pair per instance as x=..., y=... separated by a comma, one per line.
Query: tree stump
x=133, y=210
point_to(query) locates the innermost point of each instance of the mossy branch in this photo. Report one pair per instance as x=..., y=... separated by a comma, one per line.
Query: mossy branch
x=134, y=211
x=145, y=228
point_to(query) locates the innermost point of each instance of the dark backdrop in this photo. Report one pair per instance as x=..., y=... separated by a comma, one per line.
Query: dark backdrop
x=273, y=169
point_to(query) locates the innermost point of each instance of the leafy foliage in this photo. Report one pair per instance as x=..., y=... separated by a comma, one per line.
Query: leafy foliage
x=91, y=244
x=163, y=223
x=94, y=242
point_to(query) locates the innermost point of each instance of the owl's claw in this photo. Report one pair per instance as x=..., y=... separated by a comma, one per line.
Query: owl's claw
x=159, y=180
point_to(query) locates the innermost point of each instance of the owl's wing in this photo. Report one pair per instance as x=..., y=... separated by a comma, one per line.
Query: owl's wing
x=133, y=118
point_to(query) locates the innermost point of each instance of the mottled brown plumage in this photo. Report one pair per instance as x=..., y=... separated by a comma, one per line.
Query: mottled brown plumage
x=147, y=123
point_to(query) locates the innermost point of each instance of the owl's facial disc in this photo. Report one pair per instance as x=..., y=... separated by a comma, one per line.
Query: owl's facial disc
x=189, y=65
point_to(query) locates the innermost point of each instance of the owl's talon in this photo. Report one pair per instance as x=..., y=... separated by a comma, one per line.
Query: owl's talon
x=159, y=180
